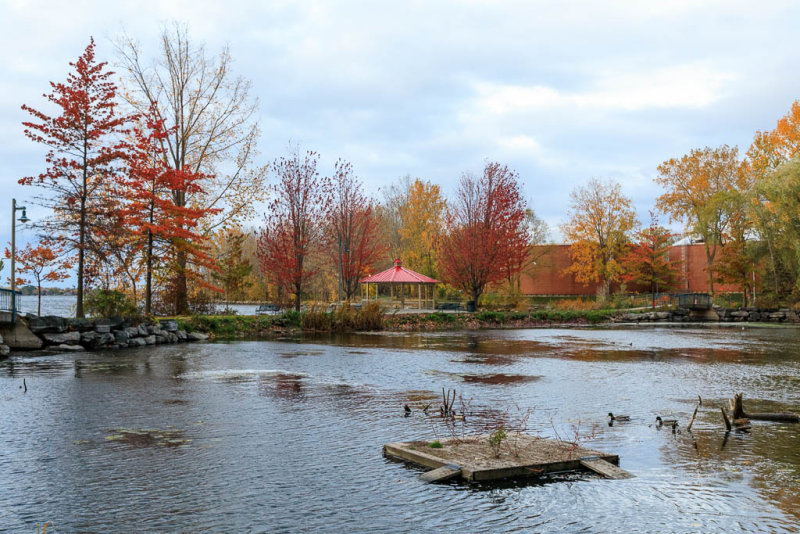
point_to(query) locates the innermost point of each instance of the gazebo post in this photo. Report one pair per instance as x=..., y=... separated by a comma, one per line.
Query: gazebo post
x=419, y=295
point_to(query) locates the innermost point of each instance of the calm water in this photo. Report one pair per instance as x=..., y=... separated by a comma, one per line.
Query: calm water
x=286, y=436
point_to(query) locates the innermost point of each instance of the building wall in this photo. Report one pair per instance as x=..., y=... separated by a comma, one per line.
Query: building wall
x=547, y=276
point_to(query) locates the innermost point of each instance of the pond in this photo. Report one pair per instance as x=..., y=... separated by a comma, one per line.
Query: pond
x=286, y=435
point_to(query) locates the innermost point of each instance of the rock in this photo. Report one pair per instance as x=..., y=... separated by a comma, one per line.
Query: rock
x=121, y=337
x=68, y=348
x=662, y=316
x=161, y=338
x=104, y=340
x=172, y=337
x=4, y=350
x=137, y=342
x=754, y=316
x=113, y=323
x=1, y=339
x=196, y=336
x=169, y=325
x=132, y=331
x=88, y=338
x=181, y=335
x=777, y=316
x=81, y=325
x=151, y=328
x=143, y=330
x=67, y=338
x=150, y=340
x=49, y=324
x=740, y=314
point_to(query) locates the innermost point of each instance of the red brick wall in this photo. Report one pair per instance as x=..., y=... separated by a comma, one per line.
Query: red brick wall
x=547, y=275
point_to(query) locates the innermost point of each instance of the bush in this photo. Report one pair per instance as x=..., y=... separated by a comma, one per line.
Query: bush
x=108, y=302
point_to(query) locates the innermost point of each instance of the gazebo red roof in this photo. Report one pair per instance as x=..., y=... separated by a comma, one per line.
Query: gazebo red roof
x=399, y=275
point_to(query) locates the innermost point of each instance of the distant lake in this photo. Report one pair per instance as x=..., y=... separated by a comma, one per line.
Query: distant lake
x=64, y=306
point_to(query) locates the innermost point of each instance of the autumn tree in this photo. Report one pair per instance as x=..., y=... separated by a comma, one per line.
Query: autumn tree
x=293, y=229
x=43, y=262
x=698, y=190
x=351, y=229
x=422, y=223
x=647, y=261
x=483, y=229
x=167, y=229
x=391, y=213
x=770, y=150
x=600, y=221
x=234, y=267
x=80, y=158
x=212, y=125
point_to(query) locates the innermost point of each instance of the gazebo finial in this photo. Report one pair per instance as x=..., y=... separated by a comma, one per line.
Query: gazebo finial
x=397, y=262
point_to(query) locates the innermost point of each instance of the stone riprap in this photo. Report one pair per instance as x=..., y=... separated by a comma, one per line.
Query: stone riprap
x=59, y=333
x=723, y=315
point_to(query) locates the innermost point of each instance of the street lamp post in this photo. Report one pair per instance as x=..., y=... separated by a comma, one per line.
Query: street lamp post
x=23, y=220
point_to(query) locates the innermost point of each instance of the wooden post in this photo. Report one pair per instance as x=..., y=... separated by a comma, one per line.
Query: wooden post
x=693, y=416
x=727, y=421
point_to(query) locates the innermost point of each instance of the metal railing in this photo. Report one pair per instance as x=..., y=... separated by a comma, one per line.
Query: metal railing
x=10, y=302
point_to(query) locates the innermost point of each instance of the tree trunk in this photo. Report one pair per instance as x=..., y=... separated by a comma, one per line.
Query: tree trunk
x=181, y=292
x=148, y=291
x=297, y=297
x=39, y=307
x=81, y=241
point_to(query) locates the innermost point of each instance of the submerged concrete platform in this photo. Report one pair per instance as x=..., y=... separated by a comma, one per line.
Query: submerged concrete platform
x=519, y=456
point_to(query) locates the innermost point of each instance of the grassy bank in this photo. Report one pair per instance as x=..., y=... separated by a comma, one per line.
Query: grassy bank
x=372, y=318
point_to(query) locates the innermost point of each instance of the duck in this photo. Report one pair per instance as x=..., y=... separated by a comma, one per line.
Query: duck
x=407, y=409
x=619, y=417
x=667, y=422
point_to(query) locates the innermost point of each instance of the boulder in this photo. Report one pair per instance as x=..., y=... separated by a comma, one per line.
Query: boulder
x=102, y=328
x=662, y=316
x=4, y=350
x=172, y=337
x=161, y=338
x=143, y=330
x=169, y=325
x=19, y=336
x=754, y=316
x=132, y=331
x=104, y=340
x=87, y=338
x=67, y=338
x=49, y=324
x=114, y=323
x=81, y=325
x=121, y=337
x=740, y=314
x=196, y=336
x=181, y=335
x=150, y=340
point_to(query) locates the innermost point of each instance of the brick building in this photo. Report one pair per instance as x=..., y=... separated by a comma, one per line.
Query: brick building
x=547, y=276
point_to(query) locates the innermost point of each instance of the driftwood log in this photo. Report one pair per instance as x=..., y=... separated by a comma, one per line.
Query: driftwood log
x=781, y=417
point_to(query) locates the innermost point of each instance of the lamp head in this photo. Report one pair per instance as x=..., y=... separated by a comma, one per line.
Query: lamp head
x=24, y=217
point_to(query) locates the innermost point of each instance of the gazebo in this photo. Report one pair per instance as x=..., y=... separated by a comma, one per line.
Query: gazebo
x=400, y=283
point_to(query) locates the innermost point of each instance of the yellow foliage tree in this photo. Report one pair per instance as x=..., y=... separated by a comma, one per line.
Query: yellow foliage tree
x=699, y=191
x=600, y=221
x=422, y=225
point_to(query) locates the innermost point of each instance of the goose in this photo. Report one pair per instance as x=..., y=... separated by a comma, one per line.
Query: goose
x=619, y=417
x=667, y=422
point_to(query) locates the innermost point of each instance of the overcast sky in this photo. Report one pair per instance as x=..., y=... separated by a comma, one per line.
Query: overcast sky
x=560, y=91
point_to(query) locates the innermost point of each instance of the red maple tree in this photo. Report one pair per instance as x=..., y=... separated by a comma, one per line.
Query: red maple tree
x=485, y=234
x=292, y=230
x=647, y=261
x=44, y=262
x=351, y=232
x=151, y=211
x=81, y=155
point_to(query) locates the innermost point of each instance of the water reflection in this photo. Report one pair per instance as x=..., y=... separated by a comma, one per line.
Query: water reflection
x=289, y=433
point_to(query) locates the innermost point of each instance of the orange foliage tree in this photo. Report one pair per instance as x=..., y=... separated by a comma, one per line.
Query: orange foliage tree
x=351, y=228
x=600, y=221
x=293, y=229
x=484, y=227
x=80, y=158
x=44, y=263
x=153, y=211
x=698, y=191
x=647, y=261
